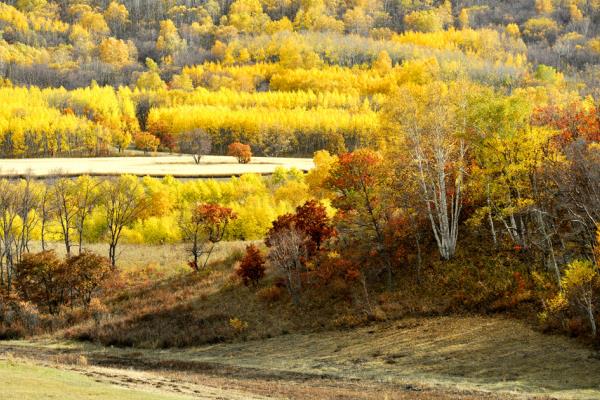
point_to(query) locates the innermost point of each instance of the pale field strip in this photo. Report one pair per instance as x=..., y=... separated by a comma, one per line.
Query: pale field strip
x=179, y=166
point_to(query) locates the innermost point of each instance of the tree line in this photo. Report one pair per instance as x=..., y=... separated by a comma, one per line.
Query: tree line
x=111, y=210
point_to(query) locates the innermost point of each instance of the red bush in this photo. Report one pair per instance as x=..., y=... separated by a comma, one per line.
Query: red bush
x=311, y=219
x=252, y=267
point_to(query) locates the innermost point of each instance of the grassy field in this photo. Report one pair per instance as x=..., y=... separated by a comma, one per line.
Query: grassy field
x=25, y=380
x=165, y=259
x=427, y=358
x=181, y=166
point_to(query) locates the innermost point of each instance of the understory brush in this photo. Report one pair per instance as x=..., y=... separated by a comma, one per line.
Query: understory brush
x=192, y=308
x=148, y=307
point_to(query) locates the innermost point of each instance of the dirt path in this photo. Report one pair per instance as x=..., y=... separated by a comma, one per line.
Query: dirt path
x=436, y=358
x=162, y=383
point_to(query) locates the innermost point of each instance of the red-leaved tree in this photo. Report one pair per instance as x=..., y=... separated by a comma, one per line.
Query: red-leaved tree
x=311, y=219
x=360, y=181
x=252, y=267
x=295, y=240
x=573, y=121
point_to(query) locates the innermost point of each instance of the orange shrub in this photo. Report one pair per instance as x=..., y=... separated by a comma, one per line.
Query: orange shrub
x=42, y=279
x=241, y=151
x=47, y=281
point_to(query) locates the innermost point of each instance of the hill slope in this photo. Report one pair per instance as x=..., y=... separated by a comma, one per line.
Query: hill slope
x=447, y=357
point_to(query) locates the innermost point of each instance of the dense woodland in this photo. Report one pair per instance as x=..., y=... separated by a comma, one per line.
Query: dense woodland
x=87, y=77
x=456, y=148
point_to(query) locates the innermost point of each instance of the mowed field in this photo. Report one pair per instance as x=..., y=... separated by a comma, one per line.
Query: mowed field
x=181, y=166
x=465, y=357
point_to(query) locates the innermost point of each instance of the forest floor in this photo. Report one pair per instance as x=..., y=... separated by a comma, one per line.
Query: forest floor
x=460, y=357
x=180, y=166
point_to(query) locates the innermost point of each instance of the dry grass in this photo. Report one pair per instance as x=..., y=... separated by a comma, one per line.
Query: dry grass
x=166, y=260
x=426, y=358
x=197, y=308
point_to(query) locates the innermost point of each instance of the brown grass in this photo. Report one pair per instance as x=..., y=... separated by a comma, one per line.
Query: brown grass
x=427, y=358
x=158, y=302
x=165, y=260
x=187, y=308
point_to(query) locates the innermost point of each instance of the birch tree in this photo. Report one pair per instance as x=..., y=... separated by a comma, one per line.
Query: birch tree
x=430, y=125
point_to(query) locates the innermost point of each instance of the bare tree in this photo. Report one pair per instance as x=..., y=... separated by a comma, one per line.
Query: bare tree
x=196, y=142
x=286, y=251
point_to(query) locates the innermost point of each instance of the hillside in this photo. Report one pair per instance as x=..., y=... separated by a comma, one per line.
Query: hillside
x=109, y=42
x=427, y=358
